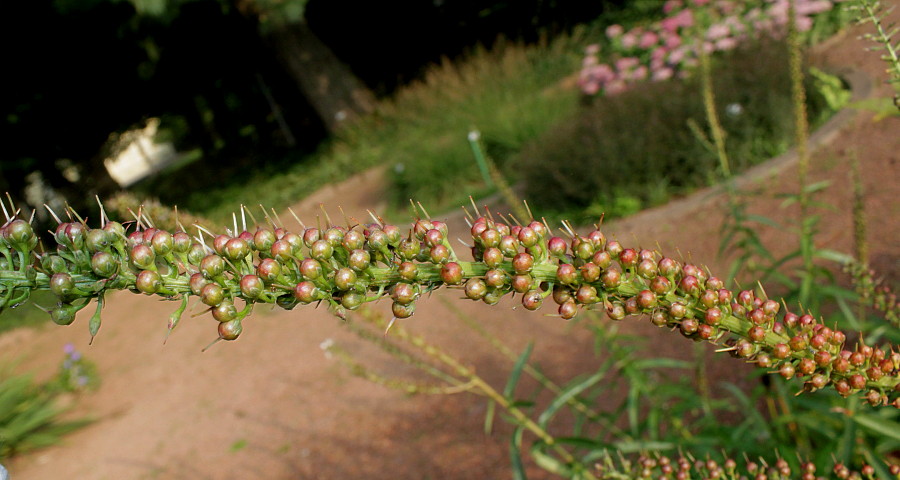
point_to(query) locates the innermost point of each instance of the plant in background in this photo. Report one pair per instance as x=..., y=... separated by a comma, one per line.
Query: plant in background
x=671, y=47
x=872, y=12
x=30, y=415
x=615, y=172
x=76, y=373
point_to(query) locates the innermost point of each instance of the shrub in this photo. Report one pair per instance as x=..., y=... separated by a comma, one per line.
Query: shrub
x=640, y=145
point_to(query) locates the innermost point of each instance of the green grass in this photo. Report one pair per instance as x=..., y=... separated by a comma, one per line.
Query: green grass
x=512, y=94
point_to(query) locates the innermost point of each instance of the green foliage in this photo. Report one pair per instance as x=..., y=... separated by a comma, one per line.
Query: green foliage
x=510, y=93
x=26, y=315
x=639, y=145
x=30, y=415
x=831, y=88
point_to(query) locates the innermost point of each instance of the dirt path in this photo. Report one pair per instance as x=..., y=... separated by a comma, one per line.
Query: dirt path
x=271, y=406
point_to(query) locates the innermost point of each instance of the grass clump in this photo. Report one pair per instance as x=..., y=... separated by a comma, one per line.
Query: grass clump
x=638, y=149
x=30, y=415
x=511, y=93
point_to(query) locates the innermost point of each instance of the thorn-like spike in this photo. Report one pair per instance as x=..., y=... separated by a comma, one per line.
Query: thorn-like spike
x=347, y=220
x=68, y=211
x=528, y=209
x=277, y=218
x=516, y=220
x=477, y=213
x=243, y=218
x=31, y=219
x=390, y=324
x=489, y=213
x=569, y=228
x=250, y=213
x=463, y=242
x=375, y=217
x=12, y=204
x=6, y=214
x=266, y=215
x=178, y=220
x=147, y=219
x=327, y=217
x=468, y=216
x=427, y=216
x=211, y=344
x=103, y=217
x=302, y=225
x=140, y=217
x=234, y=222
x=136, y=218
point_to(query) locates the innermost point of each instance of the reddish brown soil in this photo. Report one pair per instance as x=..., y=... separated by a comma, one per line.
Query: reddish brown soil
x=272, y=406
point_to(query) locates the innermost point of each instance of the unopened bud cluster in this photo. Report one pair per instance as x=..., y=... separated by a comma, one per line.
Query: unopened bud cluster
x=346, y=267
x=682, y=467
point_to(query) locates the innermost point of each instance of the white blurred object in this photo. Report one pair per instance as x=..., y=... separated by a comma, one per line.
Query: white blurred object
x=138, y=155
x=4, y=475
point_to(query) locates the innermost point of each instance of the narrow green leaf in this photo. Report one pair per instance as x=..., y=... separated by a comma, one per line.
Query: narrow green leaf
x=568, y=393
x=875, y=461
x=517, y=372
x=761, y=219
x=849, y=316
x=879, y=425
x=632, y=446
x=548, y=462
x=833, y=255
x=515, y=454
x=489, y=417
x=649, y=363
x=815, y=187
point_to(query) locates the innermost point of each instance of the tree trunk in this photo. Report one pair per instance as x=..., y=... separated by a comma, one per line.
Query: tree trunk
x=330, y=86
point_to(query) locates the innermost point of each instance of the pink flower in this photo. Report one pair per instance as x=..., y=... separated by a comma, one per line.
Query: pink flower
x=615, y=87
x=813, y=7
x=614, y=31
x=804, y=23
x=603, y=73
x=727, y=43
x=590, y=87
x=717, y=31
x=639, y=73
x=629, y=40
x=627, y=63
x=682, y=19
x=648, y=40
x=671, y=5
x=662, y=74
x=672, y=41
x=658, y=53
x=677, y=55
x=592, y=49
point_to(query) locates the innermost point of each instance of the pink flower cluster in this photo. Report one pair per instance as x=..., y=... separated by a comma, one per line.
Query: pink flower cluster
x=670, y=47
